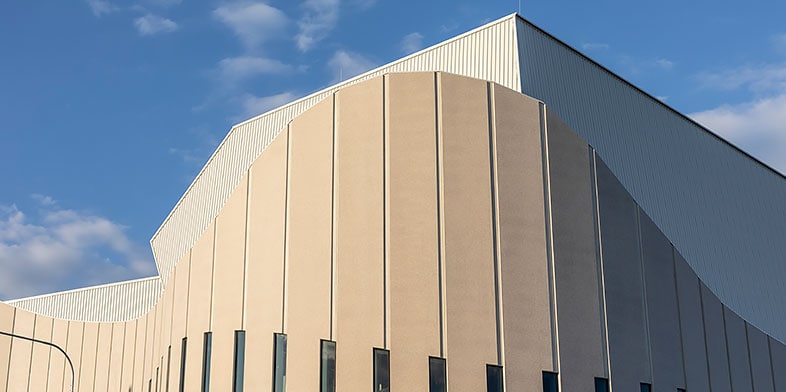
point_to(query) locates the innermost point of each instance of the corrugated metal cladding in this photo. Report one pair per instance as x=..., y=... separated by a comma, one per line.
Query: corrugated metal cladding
x=488, y=53
x=120, y=301
x=723, y=211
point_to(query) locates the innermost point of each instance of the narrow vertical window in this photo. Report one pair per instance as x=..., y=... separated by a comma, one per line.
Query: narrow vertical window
x=157, y=383
x=168, y=366
x=381, y=370
x=206, y=351
x=327, y=367
x=239, y=362
x=602, y=384
x=149, y=385
x=645, y=387
x=494, y=378
x=279, y=362
x=550, y=382
x=182, y=385
x=437, y=375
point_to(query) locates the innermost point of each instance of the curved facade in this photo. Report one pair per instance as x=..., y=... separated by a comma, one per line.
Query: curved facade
x=411, y=232
x=424, y=230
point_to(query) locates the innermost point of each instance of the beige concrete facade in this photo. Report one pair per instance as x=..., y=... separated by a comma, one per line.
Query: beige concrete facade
x=431, y=215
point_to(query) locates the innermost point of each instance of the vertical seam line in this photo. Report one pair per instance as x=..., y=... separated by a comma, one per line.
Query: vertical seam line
x=648, y=340
x=245, y=251
x=600, y=266
x=334, y=155
x=495, y=221
x=440, y=262
x=679, y=316
x=286, y=234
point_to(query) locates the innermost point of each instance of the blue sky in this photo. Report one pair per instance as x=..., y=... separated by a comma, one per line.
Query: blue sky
x=108, y=109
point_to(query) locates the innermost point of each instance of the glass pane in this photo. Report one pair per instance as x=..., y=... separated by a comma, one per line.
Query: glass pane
x=437, y=374
x=494, y=378
x=601, y=384
x=327, y=369
x=206, y=351
x=550, y=382
x=168, y=366
x=279, y=362
x=381, y=370
x=240, y=361
x=182, y=385
x=647, y=387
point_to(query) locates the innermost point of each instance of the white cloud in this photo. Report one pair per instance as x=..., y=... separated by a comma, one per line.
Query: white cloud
x=62, y=249
x=153, y=24
x=664, y=64
x=165, y=3
x=411, y=43
x=319, y=18
x=101, y=7
x=758, y=127
x=345, y=65
x=233, y=69
x=779, y=42
x=594, y=46
x=253, y=22
x=254, y=106
x=759, y=79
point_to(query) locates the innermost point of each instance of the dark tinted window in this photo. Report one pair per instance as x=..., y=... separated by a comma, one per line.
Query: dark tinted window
x=239, y=362
x=168, y=366
x=279, y=362
x=550, y=382
x=494, y=378
x=647, y=387
x=207, y=349
x=327, y=369
x=182, y=385
x=437, y=374
x=381, y=370
x=680, y=389
x=601, y=384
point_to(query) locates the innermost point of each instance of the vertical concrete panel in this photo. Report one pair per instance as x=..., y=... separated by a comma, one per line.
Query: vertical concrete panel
x=412, y=257
x=179, y=311
x=522, y=240
x=778, y=356
x=739, y=360
x=129, y=354
x=89, y=350
x=691, y=323
x=470, y=295
x=581, y=335
x=21, y=350
x=115, y=363
x=228, y=285
x=150, y=358
x=199, y=308
x=39, y=363
x=761, y=368
x=6, y=325
x=715, y=333
x=139, y=352
x=627, y=333
x=662, y=311
x=265, y=269
x=166, y=332
x=74, y=350
x=359, y=232
x=105, y=349
x=59, y=368
x=308, y=276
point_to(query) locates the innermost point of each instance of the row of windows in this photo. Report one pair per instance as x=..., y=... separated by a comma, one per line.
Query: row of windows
x=437, y=369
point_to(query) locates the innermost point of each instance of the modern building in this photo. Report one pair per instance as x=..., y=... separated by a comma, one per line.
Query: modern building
x=496, y=212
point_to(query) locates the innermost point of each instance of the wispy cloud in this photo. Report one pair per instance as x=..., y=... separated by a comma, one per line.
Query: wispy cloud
x=234, y=69
x=101, y=7
x=758, y=127
x=345, y=64
x=319, y=18
x=165, y=3
x=760, y=79
x=411, y=43
x=253, y=105
x=150, y=24
x=60, y=249
x=664, y=64
x=253, y=22
x=594, y=46
x=779, y=42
